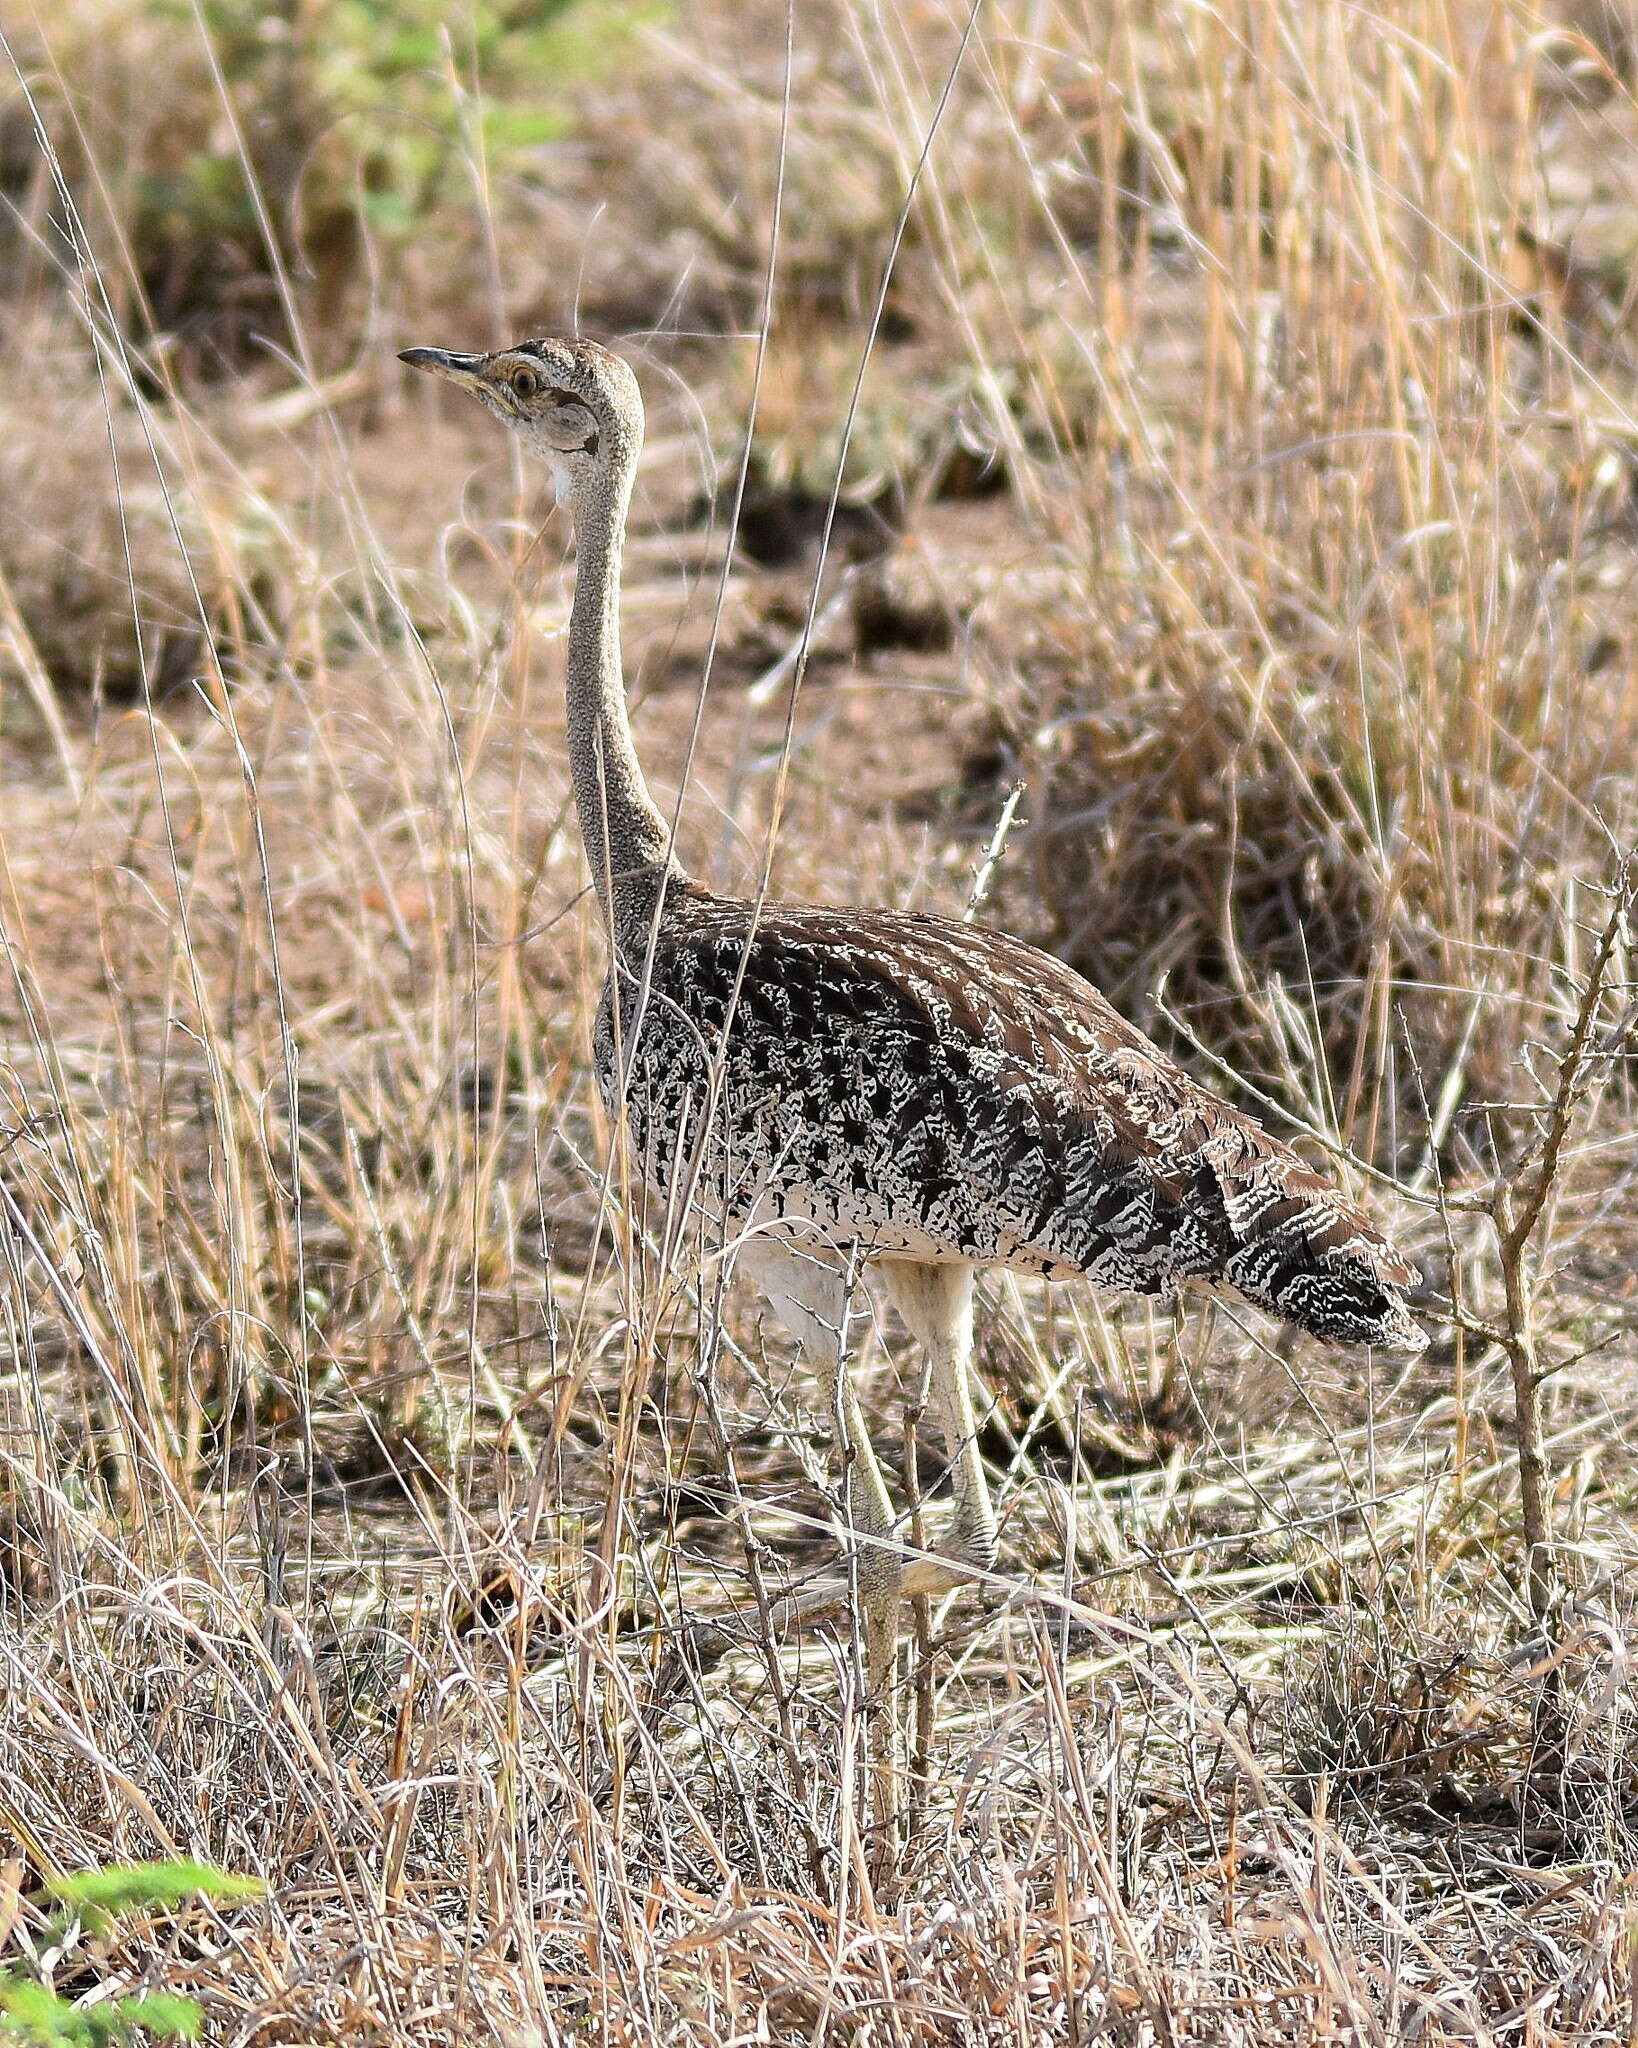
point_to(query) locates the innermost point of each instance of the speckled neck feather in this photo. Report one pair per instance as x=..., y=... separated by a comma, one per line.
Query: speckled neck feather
x=627, y=837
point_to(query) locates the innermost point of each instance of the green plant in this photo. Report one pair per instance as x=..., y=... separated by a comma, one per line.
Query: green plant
x=271, y=148
x=89, y=1902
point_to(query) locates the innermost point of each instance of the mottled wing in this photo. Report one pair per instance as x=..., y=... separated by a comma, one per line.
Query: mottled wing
x=938, y=1089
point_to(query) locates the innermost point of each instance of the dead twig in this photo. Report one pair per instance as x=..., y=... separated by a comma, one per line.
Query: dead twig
x=1517, y=1208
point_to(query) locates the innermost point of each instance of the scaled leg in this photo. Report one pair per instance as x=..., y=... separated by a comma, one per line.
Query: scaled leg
x=810, y=1291
x=936, y=1303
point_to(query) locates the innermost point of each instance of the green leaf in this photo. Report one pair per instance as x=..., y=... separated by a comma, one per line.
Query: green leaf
x=98, y=1894
x=32, y=2013
x=162, y=2012
x=36, y=2015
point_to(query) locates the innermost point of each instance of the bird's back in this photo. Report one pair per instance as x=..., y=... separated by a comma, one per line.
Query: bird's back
x=933, y=1090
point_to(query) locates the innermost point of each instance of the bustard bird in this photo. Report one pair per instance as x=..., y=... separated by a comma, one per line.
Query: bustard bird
x=842, y=1087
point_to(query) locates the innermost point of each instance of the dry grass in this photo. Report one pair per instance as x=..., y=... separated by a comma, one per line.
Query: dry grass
x=1254, y=394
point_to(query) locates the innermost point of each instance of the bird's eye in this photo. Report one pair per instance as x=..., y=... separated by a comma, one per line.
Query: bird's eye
x=525, y=383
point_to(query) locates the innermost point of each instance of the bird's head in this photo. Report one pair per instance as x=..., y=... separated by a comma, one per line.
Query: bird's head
x=573, y=401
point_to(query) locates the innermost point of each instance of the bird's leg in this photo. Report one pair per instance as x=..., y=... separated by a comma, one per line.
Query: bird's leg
x=810, y=1292
x=936, y=1303
x=878, y=1567
x=878, y=1571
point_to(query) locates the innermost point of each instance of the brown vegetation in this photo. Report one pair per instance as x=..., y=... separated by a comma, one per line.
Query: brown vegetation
x=1236, y=449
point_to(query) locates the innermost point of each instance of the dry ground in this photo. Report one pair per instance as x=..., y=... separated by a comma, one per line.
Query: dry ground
x=1249, y=420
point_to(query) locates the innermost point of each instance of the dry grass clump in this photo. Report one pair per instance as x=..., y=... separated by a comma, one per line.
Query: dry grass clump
x=1339, y=693
x=115, y=583
x=1247, y=417
x=269, y=179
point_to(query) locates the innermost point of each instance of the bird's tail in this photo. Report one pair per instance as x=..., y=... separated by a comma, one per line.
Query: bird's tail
x=1303, y=1251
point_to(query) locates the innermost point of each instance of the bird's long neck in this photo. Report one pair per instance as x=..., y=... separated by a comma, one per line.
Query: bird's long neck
x=627, y=839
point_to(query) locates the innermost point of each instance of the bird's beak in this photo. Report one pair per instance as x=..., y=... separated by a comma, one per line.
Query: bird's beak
x=444, y=362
